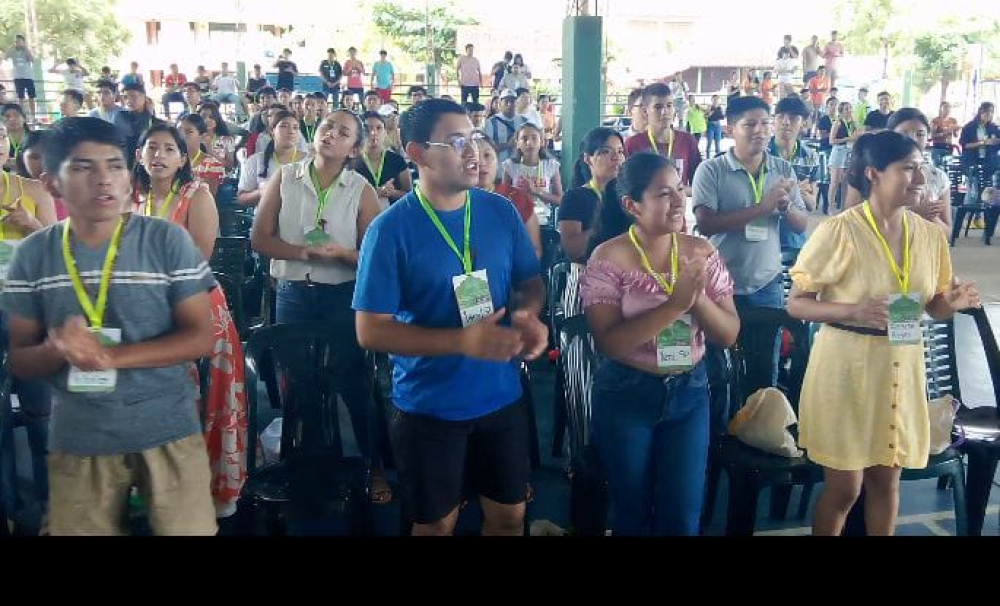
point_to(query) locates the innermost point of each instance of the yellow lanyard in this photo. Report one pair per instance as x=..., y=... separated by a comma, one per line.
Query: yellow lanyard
x=151, y=203
x=668, y=287
x=376, y=174
x=670, y=143
x=6, y=199
x=794, y=154
x=197, y=157
x=16, y=146
x=94, y=313
x=757, y=183
x=322, y=193
x=295, y=157
x=903, y=277
x=593, y=186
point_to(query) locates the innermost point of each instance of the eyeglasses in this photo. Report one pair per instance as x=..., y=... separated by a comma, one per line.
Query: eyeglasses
x=459, y=144
x=604, y=152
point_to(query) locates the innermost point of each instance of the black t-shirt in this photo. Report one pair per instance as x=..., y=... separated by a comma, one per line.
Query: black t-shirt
x=825, y=124
x=255, y=84
x=580, y=204
x=286, y=75
x=877, y=119
x=331, y=70
x=716, y=115
x=394, y=164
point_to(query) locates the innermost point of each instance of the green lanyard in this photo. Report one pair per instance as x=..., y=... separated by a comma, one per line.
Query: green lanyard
x=466, y=256
x=95, y=313
x=322, y=194
x=593, y=186
x=376, y=174
x=16, y=146
x=310, y=132
x=757, y=184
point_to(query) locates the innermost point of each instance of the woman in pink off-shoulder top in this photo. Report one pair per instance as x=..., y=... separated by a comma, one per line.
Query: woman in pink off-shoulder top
x=652, y=297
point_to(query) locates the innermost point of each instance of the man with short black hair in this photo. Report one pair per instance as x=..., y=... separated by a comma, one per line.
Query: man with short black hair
x=227, y=90
x=70, y=104
x=24, y=73
x=470, y=75
x=790, y=115
x=287, y=70
x=192, y=99
x=861, y=106
x=789, y=48
x=878, y=119
x=331, y=72
x=383, y=77
x=107, y=102
x=477, y=114
x=832, y=53
x=136, y=120
x=661, y=137
x=354, y=69
x=111, y=309
x=449, y=285
x=523, y=109
x=634, y=110
x=812, y=56
x=256, y=80
x=741, y=197
x=174, y=84
x=73, y=74
x=373, y=101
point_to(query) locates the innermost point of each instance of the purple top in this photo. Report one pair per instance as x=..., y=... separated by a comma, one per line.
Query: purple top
x=636, y=292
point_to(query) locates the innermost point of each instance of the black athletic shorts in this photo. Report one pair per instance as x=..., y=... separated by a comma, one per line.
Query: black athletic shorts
x=25, y=88
x=439, y=461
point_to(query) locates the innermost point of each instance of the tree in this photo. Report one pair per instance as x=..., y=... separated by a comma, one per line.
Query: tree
x=941, y=53
x=408, y=30
x=85, y=29
x=871, y=24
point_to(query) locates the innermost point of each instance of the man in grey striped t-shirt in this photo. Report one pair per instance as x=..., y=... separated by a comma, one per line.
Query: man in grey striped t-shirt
x=123, y=415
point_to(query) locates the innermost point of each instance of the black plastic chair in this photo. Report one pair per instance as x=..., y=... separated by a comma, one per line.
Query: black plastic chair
x=980, y=425
x=558, y=276
x=313, y=478
x=749, y=469
x=234, y=221
x=235, y=269
x=588, y=510
x=970, y=205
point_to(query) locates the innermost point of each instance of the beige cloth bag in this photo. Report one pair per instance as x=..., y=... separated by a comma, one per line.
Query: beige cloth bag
x=942, y=416
x=764, y=421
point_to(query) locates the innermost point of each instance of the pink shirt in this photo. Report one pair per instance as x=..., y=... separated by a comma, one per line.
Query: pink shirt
x=468, y=71
x=637, y=292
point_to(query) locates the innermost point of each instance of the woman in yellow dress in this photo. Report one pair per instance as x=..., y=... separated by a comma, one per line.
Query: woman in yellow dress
x=863, y=410
x=25, y=206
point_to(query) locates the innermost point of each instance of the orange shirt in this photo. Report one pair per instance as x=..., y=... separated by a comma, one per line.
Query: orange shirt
x=818, y=88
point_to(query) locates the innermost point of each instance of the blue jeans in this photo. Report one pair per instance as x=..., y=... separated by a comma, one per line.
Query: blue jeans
x=651, y=434
x=771, y=296
x=236, y=100
x=302, y=302
x=713, y=135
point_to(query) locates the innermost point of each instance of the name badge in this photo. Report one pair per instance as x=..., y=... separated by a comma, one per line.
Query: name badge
x=316, y=237
x=905, y=313
x=673, y=345
x=6, y=256
x=98, y=381
x=472, y=291
x=756, y=230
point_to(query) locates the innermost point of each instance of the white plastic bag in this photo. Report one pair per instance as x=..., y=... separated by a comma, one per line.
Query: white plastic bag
x=942, y=417
x=763, y=423
x=270, y=441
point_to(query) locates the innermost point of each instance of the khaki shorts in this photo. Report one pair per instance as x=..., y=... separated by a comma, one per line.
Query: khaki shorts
x=89, y=495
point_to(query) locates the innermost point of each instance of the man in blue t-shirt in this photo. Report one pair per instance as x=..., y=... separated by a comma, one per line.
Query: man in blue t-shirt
x=449, y=284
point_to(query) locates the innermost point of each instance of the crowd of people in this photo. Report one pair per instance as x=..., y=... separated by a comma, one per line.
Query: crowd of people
x=419, y=234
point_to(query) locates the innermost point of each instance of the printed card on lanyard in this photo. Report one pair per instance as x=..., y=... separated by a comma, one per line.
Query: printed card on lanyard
x=673, y=343
x=80, y=381
x=472, y=288
x=756, y=230
x=315, y=235
x=905, y=308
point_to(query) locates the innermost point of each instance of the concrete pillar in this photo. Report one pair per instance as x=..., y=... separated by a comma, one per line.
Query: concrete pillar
x=582, y=85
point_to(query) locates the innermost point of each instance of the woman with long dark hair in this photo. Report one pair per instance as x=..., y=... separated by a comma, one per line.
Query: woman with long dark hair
x=653, y=297
x=602, y=153
x=869, y=275
x=384, y=169
x=281, y=149
x=165, y=187
x=17, y=129
x=221, y=144
x=489, y=163
x=204, y=166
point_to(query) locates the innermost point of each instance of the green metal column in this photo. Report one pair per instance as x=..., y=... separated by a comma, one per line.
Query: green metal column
x=582, y=85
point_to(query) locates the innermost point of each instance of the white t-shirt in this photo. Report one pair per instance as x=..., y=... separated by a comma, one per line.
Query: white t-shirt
x=785, y=68
x=73, y=79
x=532, y=116
x=539, y=176
x=225, y=84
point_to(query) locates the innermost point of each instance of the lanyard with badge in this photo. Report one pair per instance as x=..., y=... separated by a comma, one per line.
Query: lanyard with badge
x=6, y=246
x=310, y=133
x=594, y=188
x=150, y=210
x=673, y=343
x=375, y=173
x=905, y=308
x=472, y=288
x=316, y=234
x=80, y=381
x=756, y=230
